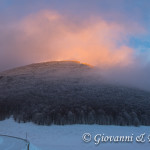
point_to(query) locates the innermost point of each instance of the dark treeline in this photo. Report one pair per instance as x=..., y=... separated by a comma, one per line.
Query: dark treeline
x=72, y=101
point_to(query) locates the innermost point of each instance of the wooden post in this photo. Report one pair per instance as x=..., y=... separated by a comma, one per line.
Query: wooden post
x=28, y=147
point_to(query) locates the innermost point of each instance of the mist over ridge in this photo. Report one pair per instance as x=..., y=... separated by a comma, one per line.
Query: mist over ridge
x=69, y=92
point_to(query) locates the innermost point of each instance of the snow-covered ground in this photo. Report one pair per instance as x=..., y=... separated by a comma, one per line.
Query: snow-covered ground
x=69, y=137
x=11, y=144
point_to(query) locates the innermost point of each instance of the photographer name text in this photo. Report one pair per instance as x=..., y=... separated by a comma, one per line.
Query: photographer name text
x=102, y=138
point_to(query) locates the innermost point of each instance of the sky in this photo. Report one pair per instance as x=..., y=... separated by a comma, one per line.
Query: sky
x=106, y=33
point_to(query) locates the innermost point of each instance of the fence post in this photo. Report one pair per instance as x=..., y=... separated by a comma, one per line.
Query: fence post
x=27, y=142
x=28, y=147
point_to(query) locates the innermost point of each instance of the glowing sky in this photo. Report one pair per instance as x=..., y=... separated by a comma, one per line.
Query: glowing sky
x=98, y=32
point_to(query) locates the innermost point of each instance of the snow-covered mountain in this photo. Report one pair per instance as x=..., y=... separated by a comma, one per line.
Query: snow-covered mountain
x=69, y=92
x=49, y=69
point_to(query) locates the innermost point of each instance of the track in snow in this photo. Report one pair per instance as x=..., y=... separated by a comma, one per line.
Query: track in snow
x=8, y=143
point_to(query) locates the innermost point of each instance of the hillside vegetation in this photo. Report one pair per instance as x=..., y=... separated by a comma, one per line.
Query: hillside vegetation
x=67, y=92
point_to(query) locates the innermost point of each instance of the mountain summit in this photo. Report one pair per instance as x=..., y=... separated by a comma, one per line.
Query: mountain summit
x=49, y=69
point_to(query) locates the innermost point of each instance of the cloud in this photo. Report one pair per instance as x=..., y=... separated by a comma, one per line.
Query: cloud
x=48, y=35
x=132, y=76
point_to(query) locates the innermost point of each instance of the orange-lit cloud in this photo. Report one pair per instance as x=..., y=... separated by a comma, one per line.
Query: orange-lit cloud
x=48, y=36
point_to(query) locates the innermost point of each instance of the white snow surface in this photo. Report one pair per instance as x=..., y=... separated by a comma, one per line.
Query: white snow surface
x=68, y=137
x=11, y=144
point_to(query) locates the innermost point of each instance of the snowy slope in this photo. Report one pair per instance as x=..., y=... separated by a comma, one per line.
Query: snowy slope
x=49, y=69
x=68, y=92
x=69, y=137
x=11, y=144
